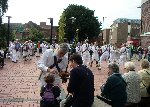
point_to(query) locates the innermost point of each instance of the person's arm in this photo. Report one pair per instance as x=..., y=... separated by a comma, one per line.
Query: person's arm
x=72, y=85
x=64, y=63
x=56, y=91
x=42, y=91
x=43, y=61
x=107, y=86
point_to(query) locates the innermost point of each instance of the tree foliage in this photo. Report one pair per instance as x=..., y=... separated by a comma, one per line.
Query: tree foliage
x=3, y=35
x=35, y=34
x=3, y=8
x=84, y=20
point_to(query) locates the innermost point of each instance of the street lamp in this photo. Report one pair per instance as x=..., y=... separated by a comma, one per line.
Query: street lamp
x=72, y=21
x=8, y=31
x=51, y=22
x=141, y=28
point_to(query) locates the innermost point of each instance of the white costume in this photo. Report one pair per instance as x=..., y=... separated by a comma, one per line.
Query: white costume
x=123, y=56
x=105, y=53
x=45, y=47
x=25, y=50
x=42, y=46
x=112, y=57
x=79, y=49
x=17, y=48
x=86, y=54
x=95, y=55
x=46, y=61
x=54, y=46
x=30, y=50
x=14, y=57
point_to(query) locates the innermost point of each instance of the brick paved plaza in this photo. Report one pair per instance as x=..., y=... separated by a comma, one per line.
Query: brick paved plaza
x=19, y=85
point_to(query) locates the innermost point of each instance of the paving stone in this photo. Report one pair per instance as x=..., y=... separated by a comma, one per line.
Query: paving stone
x=19, y=85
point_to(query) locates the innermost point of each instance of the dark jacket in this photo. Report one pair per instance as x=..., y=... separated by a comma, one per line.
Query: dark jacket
x=81, y=85
x=56, y=92
x=115, y=90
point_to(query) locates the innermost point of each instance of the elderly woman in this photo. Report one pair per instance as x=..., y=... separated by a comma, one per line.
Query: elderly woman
x=145, y=75
x=115, y=87
x=133, y=84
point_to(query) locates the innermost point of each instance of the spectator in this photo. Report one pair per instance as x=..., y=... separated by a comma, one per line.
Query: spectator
x=145, y=75
x=115, y=87
x=133, y=85
x=148, y=53
x=1, y=58
x=140, y=52
x=54, y=90
x=55, y=63
x=81, y=83
x=145, y=52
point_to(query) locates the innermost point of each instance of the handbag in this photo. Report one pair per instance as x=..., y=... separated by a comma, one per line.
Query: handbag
x=108, y=101
x=147, y=88
x=69, y=100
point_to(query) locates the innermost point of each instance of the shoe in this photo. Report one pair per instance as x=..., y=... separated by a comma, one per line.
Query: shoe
x=99, y=68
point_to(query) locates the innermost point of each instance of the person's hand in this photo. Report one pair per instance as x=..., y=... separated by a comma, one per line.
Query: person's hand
x=51, y=71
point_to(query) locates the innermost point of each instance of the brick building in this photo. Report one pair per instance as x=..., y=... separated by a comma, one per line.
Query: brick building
x=106, y=35
x=145, y=16
x=123, y=28
x=46, y=29
x=145, y=22
x=23, y=30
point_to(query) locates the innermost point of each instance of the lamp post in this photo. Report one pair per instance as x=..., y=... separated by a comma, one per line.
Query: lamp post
x=51, y=22
x=72, y=21
x=8, y=36
x=141, y=28
x=103, y=28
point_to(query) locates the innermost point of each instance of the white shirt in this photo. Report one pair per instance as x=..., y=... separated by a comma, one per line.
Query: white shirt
x=47, y=60
x=123, y=51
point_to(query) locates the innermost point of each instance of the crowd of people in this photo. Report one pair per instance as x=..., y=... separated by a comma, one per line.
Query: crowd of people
x=122, y=90
x=128, y=89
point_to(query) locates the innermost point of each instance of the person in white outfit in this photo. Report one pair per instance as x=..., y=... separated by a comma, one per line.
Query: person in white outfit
x=85, y=53
x=45, y=47
x=54, y=46
x=25, y=50
x=14, y=59
x=17, y=49
x=95, y=55
x=42, y=46
x=79, y=49
x=105, y=54
x=54, y=63
x=112, y=57
x=30, y=50
x=123, y=55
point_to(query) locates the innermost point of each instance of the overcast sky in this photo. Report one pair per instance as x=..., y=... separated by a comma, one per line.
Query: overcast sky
x=38, y=11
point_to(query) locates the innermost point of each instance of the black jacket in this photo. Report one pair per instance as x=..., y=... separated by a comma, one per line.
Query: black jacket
x=81, y=85
x=115, y=90
x=56, y=92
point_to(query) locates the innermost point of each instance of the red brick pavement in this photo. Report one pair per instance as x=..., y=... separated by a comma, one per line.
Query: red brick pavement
x=19, y=85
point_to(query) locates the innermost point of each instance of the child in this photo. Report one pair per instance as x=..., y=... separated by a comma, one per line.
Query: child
x=49, y=93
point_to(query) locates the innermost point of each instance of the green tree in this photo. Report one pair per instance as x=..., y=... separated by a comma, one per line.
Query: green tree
x=35, y=35
x=61, y=31
x=3, y=8
x=3, y=35
x=79, y=17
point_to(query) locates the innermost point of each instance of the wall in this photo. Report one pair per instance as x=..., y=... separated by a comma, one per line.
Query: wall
x=145, y=16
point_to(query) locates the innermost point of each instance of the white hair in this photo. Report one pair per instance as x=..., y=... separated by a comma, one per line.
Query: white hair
x=64, y=47
x=130, y=66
